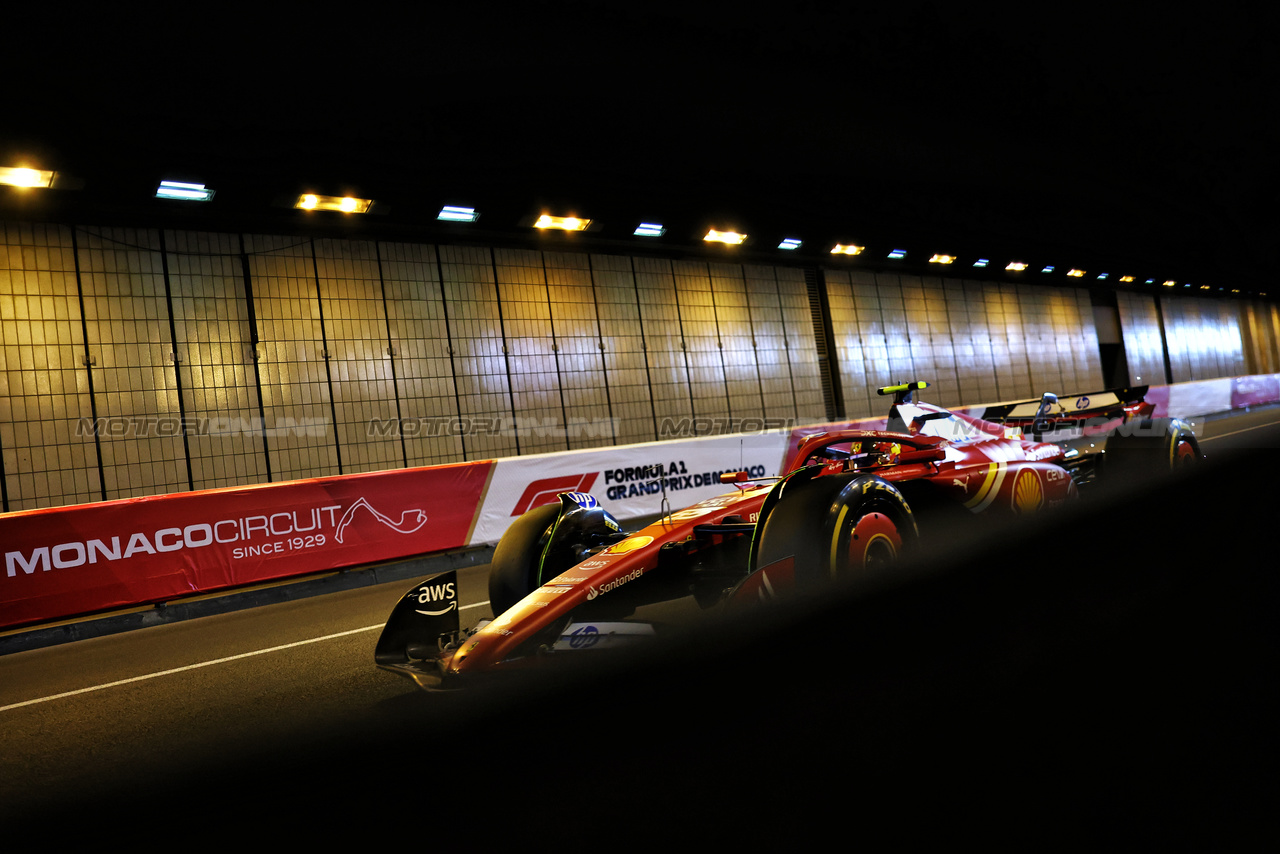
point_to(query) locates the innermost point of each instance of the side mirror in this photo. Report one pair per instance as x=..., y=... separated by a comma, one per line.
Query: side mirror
x=1047, y=400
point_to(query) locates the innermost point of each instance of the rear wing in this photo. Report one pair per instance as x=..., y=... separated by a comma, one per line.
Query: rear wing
x=1092, y=406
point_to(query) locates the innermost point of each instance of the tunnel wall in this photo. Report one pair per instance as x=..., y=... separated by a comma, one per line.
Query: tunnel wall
x=144, y=361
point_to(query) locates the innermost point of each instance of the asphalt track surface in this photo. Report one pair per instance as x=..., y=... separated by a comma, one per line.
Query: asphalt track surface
x=1110, y=671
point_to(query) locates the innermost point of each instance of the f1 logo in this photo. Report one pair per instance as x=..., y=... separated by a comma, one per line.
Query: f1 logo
x=545, y=491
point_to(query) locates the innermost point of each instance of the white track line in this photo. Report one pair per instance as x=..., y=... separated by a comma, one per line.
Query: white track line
x=1234, y=432
x=200, y=664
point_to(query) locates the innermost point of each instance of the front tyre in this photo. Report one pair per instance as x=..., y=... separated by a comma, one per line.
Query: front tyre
x=517, y=559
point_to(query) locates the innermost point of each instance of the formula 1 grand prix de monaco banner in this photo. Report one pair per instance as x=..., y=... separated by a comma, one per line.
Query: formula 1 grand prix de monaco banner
x=70, y=560
x=630, y=481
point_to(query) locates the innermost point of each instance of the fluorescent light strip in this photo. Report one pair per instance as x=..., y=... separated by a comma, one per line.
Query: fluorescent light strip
x=183, y=192
x=650, y=229
x=455, y=214
x=789, y=243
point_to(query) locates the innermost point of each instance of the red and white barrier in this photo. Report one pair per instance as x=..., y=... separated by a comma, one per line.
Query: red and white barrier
x=65, y=561
x=74, y=560
x=629, y=480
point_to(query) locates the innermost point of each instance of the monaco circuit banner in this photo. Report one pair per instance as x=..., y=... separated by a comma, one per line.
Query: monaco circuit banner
x=64, y=561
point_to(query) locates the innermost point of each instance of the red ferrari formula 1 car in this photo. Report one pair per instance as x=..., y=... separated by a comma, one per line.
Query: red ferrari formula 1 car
x=566, y=577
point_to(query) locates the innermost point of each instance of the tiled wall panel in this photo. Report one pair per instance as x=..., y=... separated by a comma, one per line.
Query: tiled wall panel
x=1260, y=325
x=353, y=309
x=624, y=339
x=1143, y=345
x=422, y=355
x=703, y=347
x=480, y=353
x=215, y=360
x=800, y=343
x=665, y=346
x=292, y=359
x=362, y=356
x=768, y=330
x=868, y=367
x=1008, y=341
x=734, y=317
x=533, y=358
x=132, y=353
x=929, y=333
x=46, y=425
x=971, y=340
x=584, y=384
x=1203, y=337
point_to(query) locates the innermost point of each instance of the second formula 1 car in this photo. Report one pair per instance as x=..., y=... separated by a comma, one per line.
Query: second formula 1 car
x=566, y=577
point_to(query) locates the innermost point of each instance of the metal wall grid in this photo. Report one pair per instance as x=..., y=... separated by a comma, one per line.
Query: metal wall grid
x=141, y=362
x=978, y=342
x=211, y=360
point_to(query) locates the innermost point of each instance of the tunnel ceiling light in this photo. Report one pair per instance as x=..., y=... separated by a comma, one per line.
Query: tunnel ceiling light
x=942, y=259
x=1016, y=266
x=1074, y=273
x=450, y=213
x=342, y=204
x=650, y=229
x=898, y=253
x=1168, y=283
x=183, y=192
x=1101, y=276
x=790, y=243
x=1048, y=268
x=730, y=238
x=982, y=262
x=563, y=223
x=847, y=249
x=21, y=176
x=1126, y=278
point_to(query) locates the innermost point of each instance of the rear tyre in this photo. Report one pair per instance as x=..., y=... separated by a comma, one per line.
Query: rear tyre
x=832, y=528
x=1149, y=448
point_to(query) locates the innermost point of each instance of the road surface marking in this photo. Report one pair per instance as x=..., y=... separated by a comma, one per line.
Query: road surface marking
x=199, y=665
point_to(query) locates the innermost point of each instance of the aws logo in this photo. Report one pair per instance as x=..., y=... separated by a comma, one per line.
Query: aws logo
x=443, y=596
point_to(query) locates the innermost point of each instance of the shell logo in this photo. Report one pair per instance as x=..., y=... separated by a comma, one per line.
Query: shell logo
x=628, y=545
x=1028, y=494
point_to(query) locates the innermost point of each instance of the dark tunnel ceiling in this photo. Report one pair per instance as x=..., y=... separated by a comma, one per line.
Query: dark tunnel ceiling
x=1149, y=140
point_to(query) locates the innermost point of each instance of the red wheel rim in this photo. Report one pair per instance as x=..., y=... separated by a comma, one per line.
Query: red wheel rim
x=874, y=542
